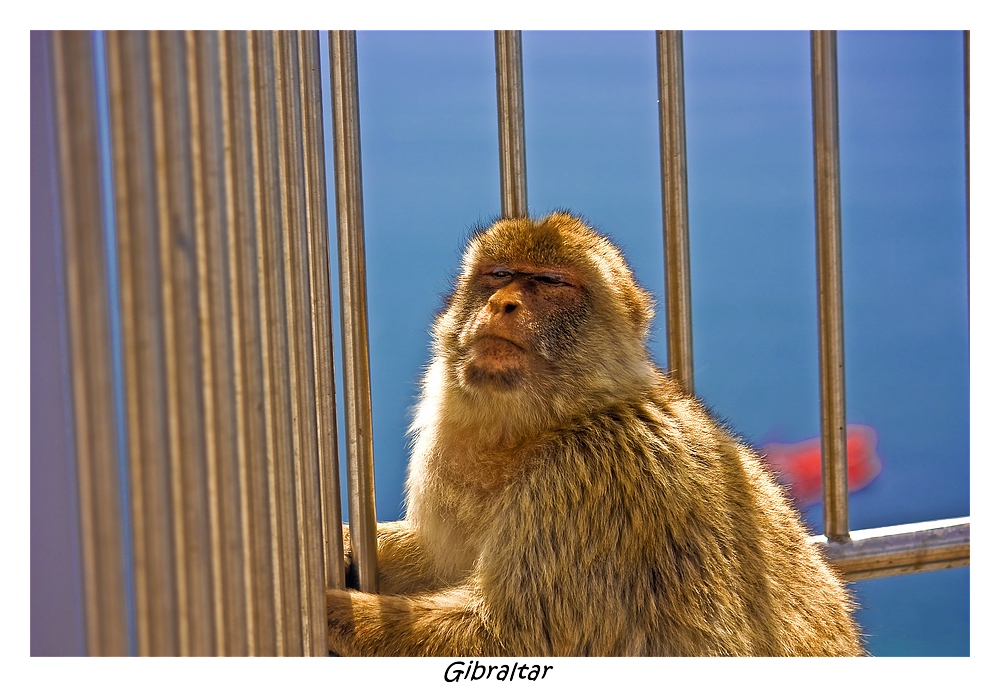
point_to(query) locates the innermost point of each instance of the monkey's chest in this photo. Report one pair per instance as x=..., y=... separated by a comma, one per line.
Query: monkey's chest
x=478, y=475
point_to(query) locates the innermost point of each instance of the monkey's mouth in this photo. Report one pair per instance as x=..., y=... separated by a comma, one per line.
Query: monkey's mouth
x=495, y=359
x=495, y=342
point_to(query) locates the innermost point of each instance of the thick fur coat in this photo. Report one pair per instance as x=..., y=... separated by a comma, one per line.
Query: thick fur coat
x=589, y=507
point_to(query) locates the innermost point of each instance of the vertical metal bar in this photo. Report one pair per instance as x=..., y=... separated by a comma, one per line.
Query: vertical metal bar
x=237, y=73
x=278, y=401
x=673, y=171
x=214, y=284
x=173, y=134
x=322, y=324
x=151, y=117
x=289, y=183
x=291, y=62
x=215, y=144
x=353, y=304
x=510, y=115
x=828, y=271
x=57, y=599
x=89, y=333
x=141, y=299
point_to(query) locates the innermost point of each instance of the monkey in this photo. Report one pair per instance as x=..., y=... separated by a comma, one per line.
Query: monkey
x=565, y=497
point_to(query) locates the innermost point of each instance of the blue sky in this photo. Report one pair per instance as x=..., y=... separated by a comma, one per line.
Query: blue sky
x=429, y=145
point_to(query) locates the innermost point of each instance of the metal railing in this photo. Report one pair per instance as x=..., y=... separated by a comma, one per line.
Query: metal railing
x=863, y=553
x=510, y=125
x=223, y=271
x=858, y=555
x=900, y=549
x=88, y=325
x=231, y=472
x=673, y=179
x=354, y=305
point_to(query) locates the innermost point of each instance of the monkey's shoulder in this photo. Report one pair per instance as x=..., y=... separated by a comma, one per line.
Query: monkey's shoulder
x=663, y=434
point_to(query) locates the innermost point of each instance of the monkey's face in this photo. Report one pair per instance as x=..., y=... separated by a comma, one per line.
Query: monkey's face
x=545, y=320
x=519, y=320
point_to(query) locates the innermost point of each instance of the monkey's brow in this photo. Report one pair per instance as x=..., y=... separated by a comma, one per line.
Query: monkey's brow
x=554, y=276
x=521, y=271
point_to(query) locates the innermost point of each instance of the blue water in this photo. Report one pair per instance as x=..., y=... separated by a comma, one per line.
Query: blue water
x=429, y=145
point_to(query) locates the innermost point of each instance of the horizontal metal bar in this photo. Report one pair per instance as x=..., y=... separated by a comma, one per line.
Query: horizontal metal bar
x=901, y=549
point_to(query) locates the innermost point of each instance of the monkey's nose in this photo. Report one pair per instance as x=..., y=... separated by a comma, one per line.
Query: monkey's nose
x=504, y=307
x=504, y=303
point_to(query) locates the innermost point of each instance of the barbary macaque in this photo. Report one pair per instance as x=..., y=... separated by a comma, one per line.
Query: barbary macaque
x=566, y=498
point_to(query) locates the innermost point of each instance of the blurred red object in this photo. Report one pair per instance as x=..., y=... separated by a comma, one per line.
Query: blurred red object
x=799, y=466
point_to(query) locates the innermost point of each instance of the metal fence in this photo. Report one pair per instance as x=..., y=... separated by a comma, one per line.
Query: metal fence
x=226, y=346
x=226, y=447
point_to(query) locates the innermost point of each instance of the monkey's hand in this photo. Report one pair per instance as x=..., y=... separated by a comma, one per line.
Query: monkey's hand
x=340, y=620
x=350, y=570
x=445, y=624
x=403, y=565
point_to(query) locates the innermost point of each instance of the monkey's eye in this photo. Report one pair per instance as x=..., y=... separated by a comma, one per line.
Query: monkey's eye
x=500, y=273
x=553, y=279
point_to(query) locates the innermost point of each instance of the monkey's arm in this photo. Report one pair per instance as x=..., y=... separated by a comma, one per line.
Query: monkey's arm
x=403, y=564
x=448, y=623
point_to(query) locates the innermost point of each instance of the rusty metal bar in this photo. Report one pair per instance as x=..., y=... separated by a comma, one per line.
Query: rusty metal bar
x=902, y=549
x=673, y=171
x=89, y=346
x=510, y=115
x=828, y=274
x=353, y=304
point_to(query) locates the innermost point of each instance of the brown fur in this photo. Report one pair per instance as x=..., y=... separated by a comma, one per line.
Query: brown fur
x=566, y=498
